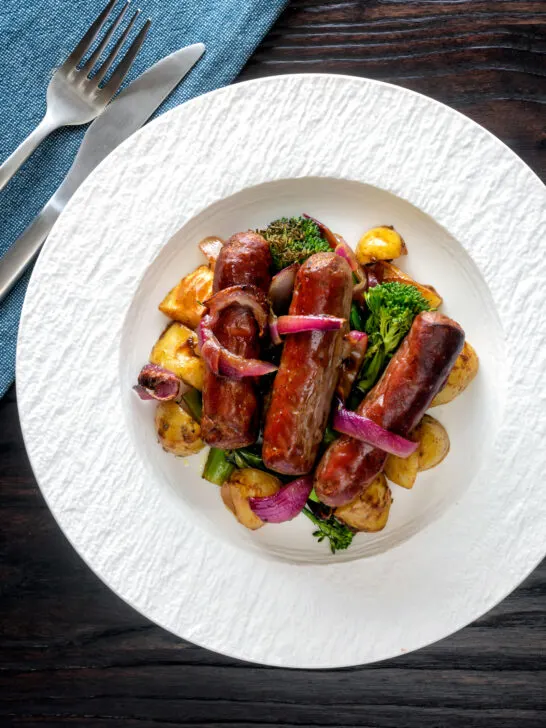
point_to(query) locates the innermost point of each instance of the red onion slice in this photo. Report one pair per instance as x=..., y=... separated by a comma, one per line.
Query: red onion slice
x=362, y=428
x=247, y=296
x=223, y=362
x=274, y=329
x=355, y=336
x=285, y=504
x=143, y=392
x=155, y=382
x=211, y=247
x=297, y=324
x=346, y=252
x=282, y=287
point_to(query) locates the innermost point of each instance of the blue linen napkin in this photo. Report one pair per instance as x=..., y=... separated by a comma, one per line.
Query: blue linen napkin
x=37, y=36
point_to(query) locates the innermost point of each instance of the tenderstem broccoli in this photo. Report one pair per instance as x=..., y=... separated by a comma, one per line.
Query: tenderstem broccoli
x=293, y=240
x=392, y=308
x=338, y=534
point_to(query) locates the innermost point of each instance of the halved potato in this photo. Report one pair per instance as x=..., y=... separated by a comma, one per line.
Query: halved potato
x=370, y=510
x=380, y=243
x=177, y=350
x=244, y=484
x=402, y=471
x=388, y=273
x=177, y=431
x=184, y=302
x=464, y=370
x=433, y=442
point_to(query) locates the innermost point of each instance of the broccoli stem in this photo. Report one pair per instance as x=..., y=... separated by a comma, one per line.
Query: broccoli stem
x=374, y=364
x=194, y=403
x=217, y=468
x=329, y=436
x=357, y=318
x=246, y=458
x=251, y=458
x=313, y=496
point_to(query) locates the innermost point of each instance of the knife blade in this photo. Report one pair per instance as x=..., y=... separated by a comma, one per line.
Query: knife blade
x=123, y=116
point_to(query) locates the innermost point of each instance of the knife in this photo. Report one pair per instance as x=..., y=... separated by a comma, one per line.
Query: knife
x=123, y=116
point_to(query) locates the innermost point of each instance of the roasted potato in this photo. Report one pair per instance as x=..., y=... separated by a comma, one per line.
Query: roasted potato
x=184, y=302
x=177, y=431
x=433, y=442
x=177, y=350
x=388, y=273
x=380, y=243
x=244, y=484
x=225, y=492
x=402, y=471
x=463, y=372
x=370, y=510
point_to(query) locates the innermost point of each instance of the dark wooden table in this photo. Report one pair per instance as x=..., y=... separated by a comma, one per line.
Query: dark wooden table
x=72, y=653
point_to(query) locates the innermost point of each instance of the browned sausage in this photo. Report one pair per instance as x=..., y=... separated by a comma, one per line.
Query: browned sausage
x=398, y=401
x=308, y=372
x=231, y=409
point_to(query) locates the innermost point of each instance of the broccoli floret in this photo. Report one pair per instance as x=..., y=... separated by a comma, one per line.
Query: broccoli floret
x=293, y=240
x=392, y=308
x=339, y=535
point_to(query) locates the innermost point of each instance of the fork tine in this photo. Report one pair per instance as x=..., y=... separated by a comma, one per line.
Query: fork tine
x=103, y=70
x=94, y=57
x=126, y=62
x=83, y=46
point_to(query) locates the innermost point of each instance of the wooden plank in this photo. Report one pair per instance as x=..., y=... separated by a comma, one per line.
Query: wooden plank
x=74, y=654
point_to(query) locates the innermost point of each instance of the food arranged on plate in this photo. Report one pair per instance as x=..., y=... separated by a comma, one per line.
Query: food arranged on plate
x=308, y=369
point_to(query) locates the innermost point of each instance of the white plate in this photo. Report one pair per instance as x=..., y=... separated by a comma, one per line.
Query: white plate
x=355, y=153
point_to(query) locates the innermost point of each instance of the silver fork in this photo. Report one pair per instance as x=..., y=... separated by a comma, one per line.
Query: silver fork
x=72, y=97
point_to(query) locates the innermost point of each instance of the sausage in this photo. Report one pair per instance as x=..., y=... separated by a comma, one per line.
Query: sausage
x=231, y=410
x=308, y=372
x=398, y=401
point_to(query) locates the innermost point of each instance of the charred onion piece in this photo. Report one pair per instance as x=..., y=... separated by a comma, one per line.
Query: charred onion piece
x=155, y=382
x=223, y=362
x=247, y=296
x=211, y=247
x=282, y=287
x=359, y=291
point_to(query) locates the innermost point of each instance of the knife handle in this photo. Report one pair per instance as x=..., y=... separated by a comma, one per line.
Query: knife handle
x=25, y=249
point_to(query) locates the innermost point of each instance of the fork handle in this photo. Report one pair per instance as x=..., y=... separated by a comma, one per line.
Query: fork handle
x=25, y=149
x=26, y=248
